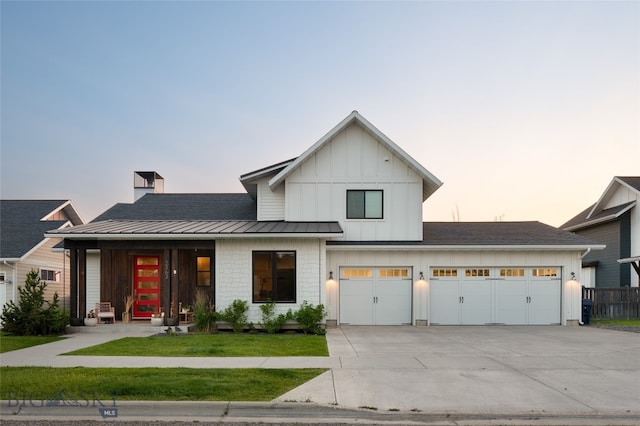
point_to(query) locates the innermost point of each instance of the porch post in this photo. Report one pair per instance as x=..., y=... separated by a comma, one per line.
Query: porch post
x=73, y=284
x=175, y=315
x=82, y=283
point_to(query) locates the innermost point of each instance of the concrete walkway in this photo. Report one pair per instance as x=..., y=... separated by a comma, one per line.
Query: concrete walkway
x=576, y=372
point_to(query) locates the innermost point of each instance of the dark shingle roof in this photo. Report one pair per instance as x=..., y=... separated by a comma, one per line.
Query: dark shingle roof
x=21, y=227
x=184, y=207
x=633, y=181
x=461, y=234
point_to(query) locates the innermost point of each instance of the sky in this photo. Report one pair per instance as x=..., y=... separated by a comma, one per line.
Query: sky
x=526, y=110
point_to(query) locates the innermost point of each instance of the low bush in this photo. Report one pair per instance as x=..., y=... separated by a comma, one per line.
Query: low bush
x=309, y=317
x=204, y=313
x=236, y=315
x=271, y=322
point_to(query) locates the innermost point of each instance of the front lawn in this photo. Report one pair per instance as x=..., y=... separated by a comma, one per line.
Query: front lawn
x=150, y=384
x=213, y=345
x=12, y=343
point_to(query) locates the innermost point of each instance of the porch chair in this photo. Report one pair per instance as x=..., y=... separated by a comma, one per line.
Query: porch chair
x=105, y=312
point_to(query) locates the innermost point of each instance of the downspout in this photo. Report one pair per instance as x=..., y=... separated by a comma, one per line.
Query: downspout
x=586, y=253
x=14, y=278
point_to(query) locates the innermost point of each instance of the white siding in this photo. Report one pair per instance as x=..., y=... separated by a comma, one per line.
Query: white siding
x=234, y=269
x=316, y=191
x=93, y=280
x=270, y=203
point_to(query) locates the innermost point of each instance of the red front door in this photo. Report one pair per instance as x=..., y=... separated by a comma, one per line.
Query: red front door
x=146, y=286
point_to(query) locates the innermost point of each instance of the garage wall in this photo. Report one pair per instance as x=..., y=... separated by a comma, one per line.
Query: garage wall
x=422, y=261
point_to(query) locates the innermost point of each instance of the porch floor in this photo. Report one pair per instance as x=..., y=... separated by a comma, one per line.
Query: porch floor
x=132, y=327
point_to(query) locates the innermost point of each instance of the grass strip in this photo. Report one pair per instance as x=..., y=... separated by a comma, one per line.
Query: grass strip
x=13, y=343
x=617, y=322
x=212, y=345
x=150, y=384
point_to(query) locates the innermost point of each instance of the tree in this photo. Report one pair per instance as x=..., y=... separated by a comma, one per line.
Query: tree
x=33, y=315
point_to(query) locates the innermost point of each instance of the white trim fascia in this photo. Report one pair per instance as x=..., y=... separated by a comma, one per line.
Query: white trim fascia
x=10, y=259
x=604, y=219
x=605, y=195
x=187, y=237
x=63, y=206
x=464, y=248
x=629, y=259
x=37, y=246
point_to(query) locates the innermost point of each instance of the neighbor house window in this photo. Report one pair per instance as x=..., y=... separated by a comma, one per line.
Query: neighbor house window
x=3, y=277
x=204, y=271
x=364, y=204
x=274, y=276
x=49, y=275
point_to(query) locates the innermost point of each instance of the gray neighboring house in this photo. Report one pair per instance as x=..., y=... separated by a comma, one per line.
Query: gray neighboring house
x=23, y=245
x=613, y=220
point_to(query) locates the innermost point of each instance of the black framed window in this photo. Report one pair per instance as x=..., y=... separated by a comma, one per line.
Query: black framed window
x=274, y=276
x=364, y=204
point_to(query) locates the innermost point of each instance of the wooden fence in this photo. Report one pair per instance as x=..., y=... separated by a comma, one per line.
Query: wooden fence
x=613, y=303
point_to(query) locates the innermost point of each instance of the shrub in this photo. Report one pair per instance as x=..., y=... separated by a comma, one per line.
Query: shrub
x=309, y=317
x=34, y=316
x=236, y=315
x=271, y=322
x=204, y=313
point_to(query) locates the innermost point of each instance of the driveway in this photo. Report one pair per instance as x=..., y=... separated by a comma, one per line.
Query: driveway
x=493, y=370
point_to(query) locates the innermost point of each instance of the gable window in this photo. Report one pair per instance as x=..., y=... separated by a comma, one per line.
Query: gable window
x=274, y=276
x=364, y=204
x=49, y=275
x=203, y=273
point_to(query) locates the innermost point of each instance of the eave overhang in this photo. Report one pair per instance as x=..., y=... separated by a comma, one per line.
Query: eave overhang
x=426, y=247
x=603, y=219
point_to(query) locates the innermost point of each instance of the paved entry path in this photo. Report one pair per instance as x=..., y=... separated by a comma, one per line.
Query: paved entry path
x=573, y=371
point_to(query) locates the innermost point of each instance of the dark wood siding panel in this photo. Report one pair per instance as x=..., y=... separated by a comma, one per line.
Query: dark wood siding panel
x=115, y=278
x=608, y=269
x=187, y=275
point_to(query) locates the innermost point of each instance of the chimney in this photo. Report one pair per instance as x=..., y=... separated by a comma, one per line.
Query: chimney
x=147, y=183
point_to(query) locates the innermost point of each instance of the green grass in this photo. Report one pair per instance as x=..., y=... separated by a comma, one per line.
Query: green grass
x=13, y=343
x=212, y=345
x=617, y=322
x=150, y=384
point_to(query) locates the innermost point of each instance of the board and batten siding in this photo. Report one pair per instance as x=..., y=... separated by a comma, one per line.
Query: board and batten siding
x=422, y=261
x=317, y=189
x=233, y=269
x=270, y=203
x=608, y=269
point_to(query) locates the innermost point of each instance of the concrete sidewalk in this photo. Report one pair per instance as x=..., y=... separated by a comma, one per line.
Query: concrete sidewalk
x=562, y=372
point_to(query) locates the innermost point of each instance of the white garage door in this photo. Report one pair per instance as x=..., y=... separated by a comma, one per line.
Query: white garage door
x=508, y=295
x=375, y=296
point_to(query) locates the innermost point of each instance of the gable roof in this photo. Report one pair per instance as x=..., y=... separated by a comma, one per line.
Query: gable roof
x=630, y=182
x=249, y=179
x=489, y=235
x=23, y=224
x=596, y=213
x=430, y=182
x=184, y=207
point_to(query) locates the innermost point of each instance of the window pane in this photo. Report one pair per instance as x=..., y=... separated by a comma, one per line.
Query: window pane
x=355, y=204
x=286, y=277
x=373, y=204
x=262, y=276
